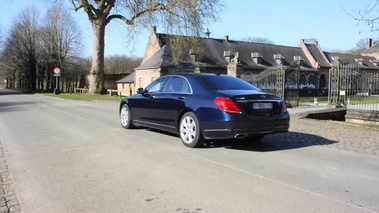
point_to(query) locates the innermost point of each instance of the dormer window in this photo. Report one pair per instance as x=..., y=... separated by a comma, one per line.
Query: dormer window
x=228, y=55
x=279, y=58
x=375, y=62
x=335, y=58
x=257, y=58
x=359, y=60
x=194, y=56
x=298, y=60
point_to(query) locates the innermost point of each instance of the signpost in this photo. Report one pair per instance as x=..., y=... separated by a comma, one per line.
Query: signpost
x=57, y=73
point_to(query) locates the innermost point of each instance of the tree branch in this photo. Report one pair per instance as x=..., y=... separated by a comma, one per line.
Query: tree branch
x=151, y=8
x=87, y=7
x=362, y=14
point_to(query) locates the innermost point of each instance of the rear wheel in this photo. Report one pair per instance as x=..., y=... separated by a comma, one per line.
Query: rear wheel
x=126, y=118
x=189, y=130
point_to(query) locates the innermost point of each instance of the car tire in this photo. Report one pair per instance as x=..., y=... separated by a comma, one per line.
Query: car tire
x=126, y=117
x=189, y=130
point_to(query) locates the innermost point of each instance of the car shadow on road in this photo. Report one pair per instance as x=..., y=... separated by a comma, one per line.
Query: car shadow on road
x=270, y=143
x=274, y=142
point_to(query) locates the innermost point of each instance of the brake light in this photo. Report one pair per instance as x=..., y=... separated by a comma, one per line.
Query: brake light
x=284, y=107
x=227, y=105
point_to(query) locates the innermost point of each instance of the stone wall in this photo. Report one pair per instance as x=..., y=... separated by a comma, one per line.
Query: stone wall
x=362, y=116
x=337, y=114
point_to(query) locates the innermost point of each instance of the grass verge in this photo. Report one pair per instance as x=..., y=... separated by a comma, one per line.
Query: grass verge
x=320, y=99
x=80, y=96
x=360, y=124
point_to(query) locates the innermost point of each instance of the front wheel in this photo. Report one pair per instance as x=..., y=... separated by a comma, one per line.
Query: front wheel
x=189, y=130
x=126, y=118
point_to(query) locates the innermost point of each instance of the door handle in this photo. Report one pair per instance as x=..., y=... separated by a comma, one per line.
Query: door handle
x=182, y=98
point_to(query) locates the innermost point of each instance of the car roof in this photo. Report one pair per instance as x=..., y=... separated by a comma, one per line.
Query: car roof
x=196, y=74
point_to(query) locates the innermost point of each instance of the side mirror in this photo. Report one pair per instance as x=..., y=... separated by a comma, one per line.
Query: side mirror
x=140, y=91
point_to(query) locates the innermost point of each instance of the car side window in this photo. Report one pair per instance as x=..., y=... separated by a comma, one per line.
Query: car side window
x=177, y=84
x=156, y=86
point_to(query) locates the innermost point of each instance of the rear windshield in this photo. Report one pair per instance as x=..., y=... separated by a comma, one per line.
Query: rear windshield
x=224, y=82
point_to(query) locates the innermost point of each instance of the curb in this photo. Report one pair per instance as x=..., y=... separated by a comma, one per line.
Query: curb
x=8, y=198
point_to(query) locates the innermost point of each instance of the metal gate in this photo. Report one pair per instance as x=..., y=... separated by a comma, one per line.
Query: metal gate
x=282, y=81
x=353, y=87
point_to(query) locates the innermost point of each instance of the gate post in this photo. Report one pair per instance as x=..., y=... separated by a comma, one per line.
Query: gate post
x=280, y=82
x=339, y=80
x=288, y=84
x=334, y=73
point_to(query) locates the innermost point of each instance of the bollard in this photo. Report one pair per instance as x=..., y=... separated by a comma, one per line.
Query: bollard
x=315, y=101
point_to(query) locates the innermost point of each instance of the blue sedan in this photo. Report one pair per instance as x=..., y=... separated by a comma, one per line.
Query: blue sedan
x=201, y=107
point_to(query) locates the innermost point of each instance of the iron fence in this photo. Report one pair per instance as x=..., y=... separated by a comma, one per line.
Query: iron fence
x=353, y=88
x=282, y=81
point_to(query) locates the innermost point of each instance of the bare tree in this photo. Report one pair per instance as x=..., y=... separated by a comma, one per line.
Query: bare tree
x=368, y=15
x=60, y=43
x=33, y=49
x=360, y=47
x=1, y=39
x=177, y=16
x=62, y=37
x=258, y=40
x=121, y=64
x=20, y=49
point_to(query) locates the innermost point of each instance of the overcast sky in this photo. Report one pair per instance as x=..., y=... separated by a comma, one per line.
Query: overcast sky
x=283, y=22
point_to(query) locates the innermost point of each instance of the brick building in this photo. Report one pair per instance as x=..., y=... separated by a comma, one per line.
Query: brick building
x=306, y=66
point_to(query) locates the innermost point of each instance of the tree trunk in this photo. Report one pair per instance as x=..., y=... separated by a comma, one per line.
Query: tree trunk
x=96, y=75
x=47, y=81
x=32, y=66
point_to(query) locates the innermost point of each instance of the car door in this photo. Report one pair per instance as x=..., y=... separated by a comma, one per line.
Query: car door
x=171, y=101
x=143, y=108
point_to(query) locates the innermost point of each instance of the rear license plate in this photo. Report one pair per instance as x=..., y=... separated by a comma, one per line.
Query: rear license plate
x=261, y=105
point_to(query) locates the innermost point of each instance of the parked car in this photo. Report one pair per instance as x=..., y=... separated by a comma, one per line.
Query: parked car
x=202, y=107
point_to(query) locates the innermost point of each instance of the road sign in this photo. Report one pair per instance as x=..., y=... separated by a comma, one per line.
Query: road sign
x=57, y=70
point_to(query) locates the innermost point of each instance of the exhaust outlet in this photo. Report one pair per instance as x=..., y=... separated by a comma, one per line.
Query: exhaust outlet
x=240, y=135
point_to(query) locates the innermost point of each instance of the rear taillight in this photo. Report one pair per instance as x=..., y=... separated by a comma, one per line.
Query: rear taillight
x=227, y=105
x=284, y=107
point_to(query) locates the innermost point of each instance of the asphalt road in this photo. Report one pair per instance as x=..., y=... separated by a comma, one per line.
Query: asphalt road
x=73, y=156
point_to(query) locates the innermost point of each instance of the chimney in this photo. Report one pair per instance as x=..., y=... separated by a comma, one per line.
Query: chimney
x=369, y=43
x=154, y=29
x=226, y=38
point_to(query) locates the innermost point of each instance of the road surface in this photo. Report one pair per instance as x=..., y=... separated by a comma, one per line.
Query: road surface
x=73, y=156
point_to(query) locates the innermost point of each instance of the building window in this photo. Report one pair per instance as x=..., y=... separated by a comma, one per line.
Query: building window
x=279, y=58
x=298, y=60
x=257, y=58
x=375, y=62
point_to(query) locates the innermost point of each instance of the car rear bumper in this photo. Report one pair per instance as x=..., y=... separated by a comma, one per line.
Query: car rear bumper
x=230, y=133
x=240, y=129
